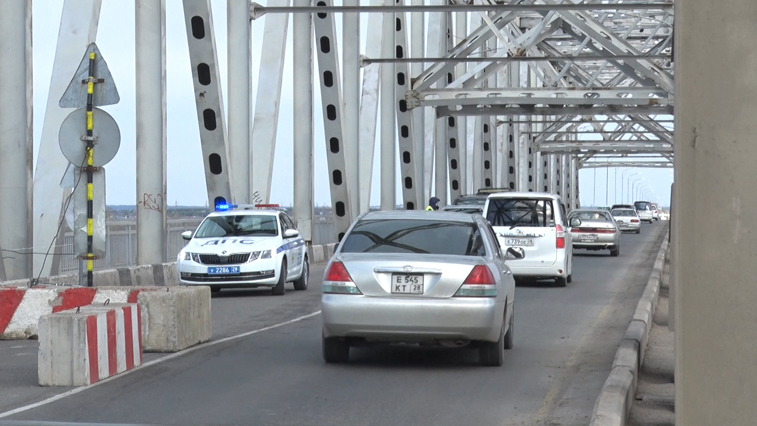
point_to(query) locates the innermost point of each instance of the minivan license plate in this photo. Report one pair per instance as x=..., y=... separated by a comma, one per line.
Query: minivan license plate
x=407, y=283
x=519, y=242
x=223, y=270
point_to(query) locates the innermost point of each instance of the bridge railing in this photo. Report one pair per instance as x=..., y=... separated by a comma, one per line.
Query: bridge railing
x=121, y=248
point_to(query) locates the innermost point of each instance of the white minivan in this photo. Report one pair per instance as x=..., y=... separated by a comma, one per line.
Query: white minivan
x=535, y=222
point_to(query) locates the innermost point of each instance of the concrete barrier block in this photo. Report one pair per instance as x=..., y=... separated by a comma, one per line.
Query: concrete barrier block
x=176, y=318
x=318, y=254
x=329, y=251
x=106, y=278
x=639, y=332
x=81, y=346
x=643, y=311
x=627, y=355
x=136, y=276
x=614, y=402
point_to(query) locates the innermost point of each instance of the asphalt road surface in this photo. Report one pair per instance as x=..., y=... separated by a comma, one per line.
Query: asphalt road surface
x=565, y=341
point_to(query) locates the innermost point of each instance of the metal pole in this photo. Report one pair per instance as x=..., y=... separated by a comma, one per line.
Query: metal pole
x=302, y=145
x=594, y=190
x=351, y=101
x=15, y=129
x=615, y=186
x=239, y=90
x=607, y=185
x=90, y=169
x=388, y=166
x=151, y=130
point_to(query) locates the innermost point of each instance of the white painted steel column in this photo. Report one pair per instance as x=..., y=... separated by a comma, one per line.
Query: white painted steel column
x=151, y=131
x=78, y=28
x=239, y=92
x=418, y=36
x=574, y=200
x=715, y=151
x=388, y=150
x=519, y=77
x=477, y=169
x=436, y=47
x=15, y=147
x=302, y=145
x=268, y=99
x=351, y=101
x=369, y=105
x=464, y=138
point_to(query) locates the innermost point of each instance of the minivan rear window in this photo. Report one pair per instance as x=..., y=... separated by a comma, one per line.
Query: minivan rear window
x=520, y=212
x=641, y=205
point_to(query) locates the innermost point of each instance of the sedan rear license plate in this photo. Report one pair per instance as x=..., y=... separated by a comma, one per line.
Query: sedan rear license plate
x=223, y=270
x=407, y=283
x=519, y=242
x=587, y=237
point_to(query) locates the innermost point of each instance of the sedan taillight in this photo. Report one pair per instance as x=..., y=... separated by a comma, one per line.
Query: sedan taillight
x=480, y=283
x=338, y=280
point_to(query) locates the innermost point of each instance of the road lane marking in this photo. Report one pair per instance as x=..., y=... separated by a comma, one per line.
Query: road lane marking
x=154, y=362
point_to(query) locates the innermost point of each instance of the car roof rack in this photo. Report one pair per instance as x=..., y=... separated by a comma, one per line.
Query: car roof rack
x=483, y=191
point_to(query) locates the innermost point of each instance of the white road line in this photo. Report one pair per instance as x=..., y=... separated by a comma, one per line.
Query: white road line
x=154, y=362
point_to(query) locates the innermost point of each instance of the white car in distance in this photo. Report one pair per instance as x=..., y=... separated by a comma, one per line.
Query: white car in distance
x=245, y=246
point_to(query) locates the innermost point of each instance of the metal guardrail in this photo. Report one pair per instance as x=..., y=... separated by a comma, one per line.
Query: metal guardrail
x=121, y=248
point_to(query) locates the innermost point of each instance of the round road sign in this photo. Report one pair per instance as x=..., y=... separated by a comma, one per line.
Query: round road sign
x=74, y=130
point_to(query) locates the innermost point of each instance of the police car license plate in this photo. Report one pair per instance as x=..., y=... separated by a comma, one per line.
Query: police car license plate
x=223, y=270
x=407, y=283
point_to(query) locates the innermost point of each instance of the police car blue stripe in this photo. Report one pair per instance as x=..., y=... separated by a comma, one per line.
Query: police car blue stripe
x=290, y=245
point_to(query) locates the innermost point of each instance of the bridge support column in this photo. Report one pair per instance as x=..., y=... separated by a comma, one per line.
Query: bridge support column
x=715, y=369
x=151, y=131
x=239, y=92
x=387, y=151
x=15, y=137
x=302, y=144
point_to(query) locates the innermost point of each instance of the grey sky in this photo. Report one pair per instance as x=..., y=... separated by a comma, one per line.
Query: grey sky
x=186, y=184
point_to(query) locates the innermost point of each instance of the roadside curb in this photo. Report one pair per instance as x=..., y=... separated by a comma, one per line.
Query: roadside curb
x=617, y=395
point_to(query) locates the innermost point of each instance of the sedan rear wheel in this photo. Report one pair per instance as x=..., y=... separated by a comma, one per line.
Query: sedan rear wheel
x=335, y=350
x=615, y=252
x=492, y=354
x=638, y=231
x=510, y=330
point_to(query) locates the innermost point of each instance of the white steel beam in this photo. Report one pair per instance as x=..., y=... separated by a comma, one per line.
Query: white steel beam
x=331, y=99
x=555, y=98
x=417, y=28
x=302, y=115
x=266, y=121
x=198, y=19
x=150, y=54
x=369, y=104
x=78, y=28
x=351, y=101
x=407, y=150
x=239, y=95
x=15, y=142
x=388, y=150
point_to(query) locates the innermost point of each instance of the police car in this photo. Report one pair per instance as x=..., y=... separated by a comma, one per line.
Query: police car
x=245, y=246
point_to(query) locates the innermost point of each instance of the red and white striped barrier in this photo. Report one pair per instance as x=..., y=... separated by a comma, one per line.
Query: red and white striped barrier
x=82, y=346
x=21, y=308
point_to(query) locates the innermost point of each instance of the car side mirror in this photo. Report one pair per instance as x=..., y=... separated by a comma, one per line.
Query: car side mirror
x=515, y=253
x=575, y=222
x=291, y=233
x=187, y=235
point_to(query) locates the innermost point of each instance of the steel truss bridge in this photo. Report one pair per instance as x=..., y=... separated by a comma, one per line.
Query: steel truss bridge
x=459, y=95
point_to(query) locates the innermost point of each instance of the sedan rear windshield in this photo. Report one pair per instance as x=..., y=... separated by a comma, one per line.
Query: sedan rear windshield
x=237, y=226
x=520, y=212
x=592, y=216
x=414, y=236
x=623, y=213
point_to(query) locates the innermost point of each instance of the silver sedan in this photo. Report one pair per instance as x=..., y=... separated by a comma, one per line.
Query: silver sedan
x=594, y=230
x=627, y=220
x=421, y=277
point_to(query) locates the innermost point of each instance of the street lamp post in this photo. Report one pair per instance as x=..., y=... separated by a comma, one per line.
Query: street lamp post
x=622, y=184
x=631, y=183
